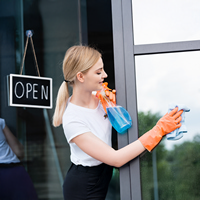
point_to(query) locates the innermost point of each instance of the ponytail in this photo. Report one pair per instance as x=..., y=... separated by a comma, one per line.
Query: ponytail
x=77, y=59
x=62, y=97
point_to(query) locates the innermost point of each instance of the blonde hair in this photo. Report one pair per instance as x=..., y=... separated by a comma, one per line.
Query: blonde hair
x=77, y=59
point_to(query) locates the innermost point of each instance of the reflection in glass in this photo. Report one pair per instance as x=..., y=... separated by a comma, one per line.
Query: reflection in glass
x=172, y=170
x=165, y=21
x=14, y=180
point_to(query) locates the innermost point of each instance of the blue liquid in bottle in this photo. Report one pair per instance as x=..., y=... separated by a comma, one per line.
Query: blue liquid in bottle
x=119, y=118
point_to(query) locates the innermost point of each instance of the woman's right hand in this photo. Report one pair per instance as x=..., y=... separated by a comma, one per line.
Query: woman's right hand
x=170, y=121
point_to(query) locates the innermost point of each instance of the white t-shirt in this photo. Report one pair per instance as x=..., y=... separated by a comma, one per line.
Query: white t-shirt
x=78, y=120
x=6, y=153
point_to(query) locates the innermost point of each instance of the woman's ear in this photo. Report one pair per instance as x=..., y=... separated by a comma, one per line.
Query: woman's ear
x=80, y=77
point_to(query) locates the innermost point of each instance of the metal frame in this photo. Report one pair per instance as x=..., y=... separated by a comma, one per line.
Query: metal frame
x=124, y=59
x=172, y=47
x=130, y=186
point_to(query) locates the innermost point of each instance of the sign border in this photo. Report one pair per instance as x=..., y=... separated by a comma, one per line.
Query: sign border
x=25, y=105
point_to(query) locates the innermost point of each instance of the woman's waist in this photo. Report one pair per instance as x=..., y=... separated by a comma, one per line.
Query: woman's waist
x=92, y=169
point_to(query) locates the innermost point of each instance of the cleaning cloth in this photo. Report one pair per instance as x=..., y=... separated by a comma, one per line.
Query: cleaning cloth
x=178, y=133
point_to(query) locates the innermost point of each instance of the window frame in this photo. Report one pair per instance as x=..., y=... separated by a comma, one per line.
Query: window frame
x=124, y=64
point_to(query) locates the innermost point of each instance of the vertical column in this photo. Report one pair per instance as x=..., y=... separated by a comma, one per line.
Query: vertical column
x=130, y=186
x=119, y=64
x=131, y=93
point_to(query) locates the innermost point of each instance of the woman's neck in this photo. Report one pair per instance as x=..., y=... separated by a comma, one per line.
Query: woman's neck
x=84, y=99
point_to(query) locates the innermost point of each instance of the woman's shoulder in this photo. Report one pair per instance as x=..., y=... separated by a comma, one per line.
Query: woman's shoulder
x=71, y=113
x=72, y=119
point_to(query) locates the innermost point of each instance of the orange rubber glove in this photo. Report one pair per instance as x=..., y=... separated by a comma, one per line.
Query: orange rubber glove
x=111, y=95
x=108, y=99
x=168, y=123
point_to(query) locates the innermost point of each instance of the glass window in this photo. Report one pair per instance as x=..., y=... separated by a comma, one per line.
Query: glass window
x=172, y=170
x=56, y=26
x=165, y=21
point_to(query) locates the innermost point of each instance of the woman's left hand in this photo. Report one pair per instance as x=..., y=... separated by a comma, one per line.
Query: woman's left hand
x=111, y=95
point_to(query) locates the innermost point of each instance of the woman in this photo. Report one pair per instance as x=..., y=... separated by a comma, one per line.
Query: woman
x=15, y=182
x=88, y=132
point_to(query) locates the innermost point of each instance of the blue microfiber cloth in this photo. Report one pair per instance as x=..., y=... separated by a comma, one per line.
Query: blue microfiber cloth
x=178, y=133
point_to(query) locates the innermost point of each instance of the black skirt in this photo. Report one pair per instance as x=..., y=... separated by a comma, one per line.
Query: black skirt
x=87, y=183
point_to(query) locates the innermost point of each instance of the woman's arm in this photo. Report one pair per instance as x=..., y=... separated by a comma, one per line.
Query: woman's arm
x=13, y=142
x=99, y=150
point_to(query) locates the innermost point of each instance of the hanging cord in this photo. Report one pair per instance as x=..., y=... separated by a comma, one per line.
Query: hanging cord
x=24, y=56
x=35, y=56
x=29, y=34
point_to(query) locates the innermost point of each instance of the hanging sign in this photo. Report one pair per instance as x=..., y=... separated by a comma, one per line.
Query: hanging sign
x=30, y=91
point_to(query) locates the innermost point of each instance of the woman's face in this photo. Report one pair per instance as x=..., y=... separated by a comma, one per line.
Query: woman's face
x=95, y=76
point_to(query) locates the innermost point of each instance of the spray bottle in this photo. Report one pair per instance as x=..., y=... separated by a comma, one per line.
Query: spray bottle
x=118, y=116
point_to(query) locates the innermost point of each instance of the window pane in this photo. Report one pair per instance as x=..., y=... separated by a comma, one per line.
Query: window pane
x=56, y=26
x=172, y=170
x=165, y=21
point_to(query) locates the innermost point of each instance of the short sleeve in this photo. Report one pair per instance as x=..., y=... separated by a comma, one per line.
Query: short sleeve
x=2, y=123
x=73, y=129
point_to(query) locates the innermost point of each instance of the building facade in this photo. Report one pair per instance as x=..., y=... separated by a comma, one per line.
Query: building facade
x=148, y=68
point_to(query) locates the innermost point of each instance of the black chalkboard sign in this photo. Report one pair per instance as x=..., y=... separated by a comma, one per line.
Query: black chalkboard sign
x=30, y=91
